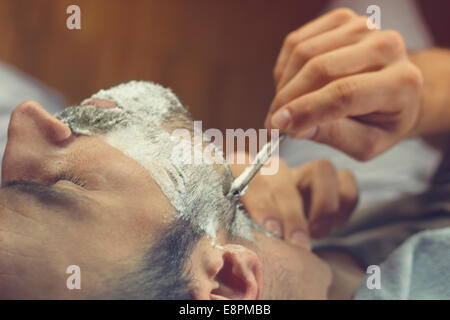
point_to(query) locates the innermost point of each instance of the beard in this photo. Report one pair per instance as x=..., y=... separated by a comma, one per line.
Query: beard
x=141, y=126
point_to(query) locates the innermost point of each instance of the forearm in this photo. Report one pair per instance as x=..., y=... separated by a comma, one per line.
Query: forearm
x=434, y=117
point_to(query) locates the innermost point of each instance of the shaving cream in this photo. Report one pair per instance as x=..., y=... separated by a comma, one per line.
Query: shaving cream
x=141, y=128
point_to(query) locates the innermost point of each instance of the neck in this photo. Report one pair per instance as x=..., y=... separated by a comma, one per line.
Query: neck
x=290, y=272
x=347, y=274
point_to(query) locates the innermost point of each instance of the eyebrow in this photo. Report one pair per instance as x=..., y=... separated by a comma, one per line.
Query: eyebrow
x=45, y=194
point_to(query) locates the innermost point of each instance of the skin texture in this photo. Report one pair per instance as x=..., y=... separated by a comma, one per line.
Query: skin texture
x=339, y=83
x=357, y=90
x=106, y=225
x=110, y=214
x=106, y=221
x=302, y=202
x=435, y=66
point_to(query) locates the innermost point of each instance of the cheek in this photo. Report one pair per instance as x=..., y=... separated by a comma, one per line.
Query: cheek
x=130, y=222
x=144, y=222
x=132, y=206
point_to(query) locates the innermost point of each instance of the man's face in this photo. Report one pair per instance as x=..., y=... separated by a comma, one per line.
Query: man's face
x=103, y=226
x=71, y=199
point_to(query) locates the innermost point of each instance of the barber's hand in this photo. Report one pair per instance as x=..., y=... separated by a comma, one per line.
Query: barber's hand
x=339, y=83
x=297, y=203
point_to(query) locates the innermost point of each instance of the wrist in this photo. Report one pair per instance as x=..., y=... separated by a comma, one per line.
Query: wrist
x=417, y=126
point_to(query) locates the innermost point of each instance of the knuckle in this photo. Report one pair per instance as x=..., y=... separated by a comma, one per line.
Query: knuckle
x=291, y=39
x=342, y=14
x=358, y=25
x=411, y=76
x=323, y=165
x=348, y=175
x=277, y=73
x=344, y=92
x=349, y=193
x=349, y=179
x=390, y=41
x=394, y=37
x=279, y=101
x=300, y=114
x=318, y=69
x=301, y=52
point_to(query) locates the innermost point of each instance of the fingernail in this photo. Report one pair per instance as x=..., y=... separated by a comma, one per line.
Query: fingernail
x=307, y=134
x=300, y=238
x=281, y=119
x=273, y=226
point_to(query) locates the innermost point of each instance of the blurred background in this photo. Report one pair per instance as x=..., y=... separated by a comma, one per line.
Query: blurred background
x=216, y=55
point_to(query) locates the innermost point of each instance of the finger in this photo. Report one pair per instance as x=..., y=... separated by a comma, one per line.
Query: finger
x=264, y=212
x=322, y=24
x=295, y=225
x=317, y=181
x=348, y=196
x=344, y=35
x=350, y=96
x=361, y=57
x=352, y=137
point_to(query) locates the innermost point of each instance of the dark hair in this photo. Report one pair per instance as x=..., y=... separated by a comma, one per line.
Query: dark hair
x=165, y=271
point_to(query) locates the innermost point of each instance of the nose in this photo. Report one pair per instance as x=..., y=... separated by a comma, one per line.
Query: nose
x=34, y=138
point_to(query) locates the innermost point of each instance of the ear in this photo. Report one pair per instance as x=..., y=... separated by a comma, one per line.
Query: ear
x=232, y=272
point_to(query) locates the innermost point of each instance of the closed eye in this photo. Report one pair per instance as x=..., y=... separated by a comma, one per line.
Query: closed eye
x=68, y=176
